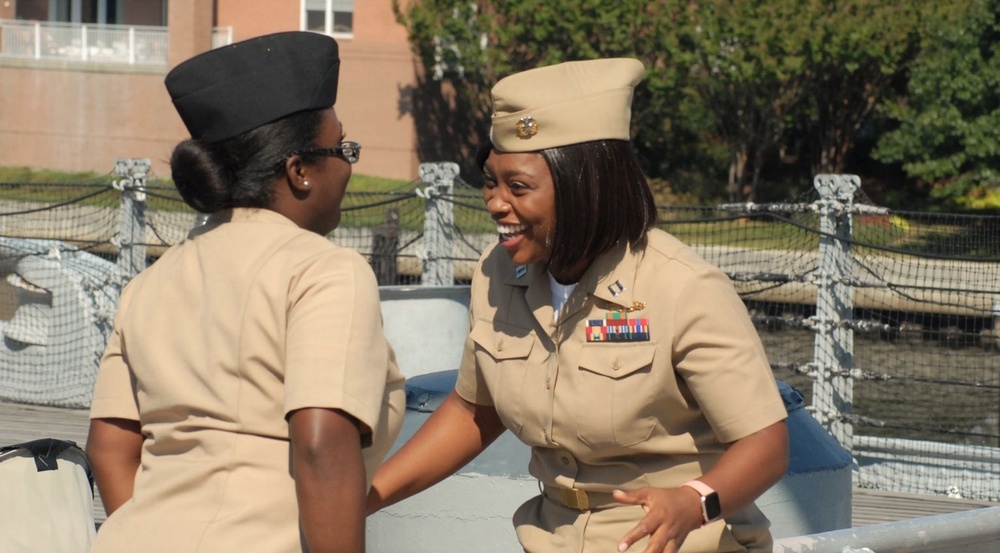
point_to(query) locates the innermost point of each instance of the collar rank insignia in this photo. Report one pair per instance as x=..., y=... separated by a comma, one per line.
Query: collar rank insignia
x=520, y=271
x=618, y=327
x=616, y=288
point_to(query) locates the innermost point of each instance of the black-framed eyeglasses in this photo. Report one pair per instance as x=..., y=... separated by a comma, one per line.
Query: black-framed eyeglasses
x=350, y=151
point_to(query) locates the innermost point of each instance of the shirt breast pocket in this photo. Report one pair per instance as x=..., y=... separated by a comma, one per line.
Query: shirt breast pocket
x=617, y=394
x=502, y=354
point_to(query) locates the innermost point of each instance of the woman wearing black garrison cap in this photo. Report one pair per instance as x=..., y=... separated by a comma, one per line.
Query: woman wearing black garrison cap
x=248, y=391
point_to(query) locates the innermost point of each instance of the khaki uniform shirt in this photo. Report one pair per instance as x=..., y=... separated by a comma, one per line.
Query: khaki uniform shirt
x=214, y=345
x=624, y=412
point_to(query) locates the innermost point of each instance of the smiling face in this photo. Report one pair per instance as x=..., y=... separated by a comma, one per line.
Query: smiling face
x=520, y=196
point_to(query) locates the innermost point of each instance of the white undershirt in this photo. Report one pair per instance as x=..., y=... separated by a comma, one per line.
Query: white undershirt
x=560, y=293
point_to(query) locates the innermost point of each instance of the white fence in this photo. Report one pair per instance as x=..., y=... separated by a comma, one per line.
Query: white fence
x=115, y=44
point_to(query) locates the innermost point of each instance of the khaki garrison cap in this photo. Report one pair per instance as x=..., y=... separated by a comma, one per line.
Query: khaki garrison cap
x=564, y=104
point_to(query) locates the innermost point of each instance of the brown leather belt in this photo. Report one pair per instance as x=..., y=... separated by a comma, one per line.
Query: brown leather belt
x=579, y=499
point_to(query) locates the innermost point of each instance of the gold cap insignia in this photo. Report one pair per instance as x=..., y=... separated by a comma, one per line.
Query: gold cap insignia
x=526, y=127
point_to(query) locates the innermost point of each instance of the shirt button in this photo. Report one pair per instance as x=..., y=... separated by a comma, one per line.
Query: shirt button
x=616, y=365
x=500, y=345
x=564, y=459
x=548, y=383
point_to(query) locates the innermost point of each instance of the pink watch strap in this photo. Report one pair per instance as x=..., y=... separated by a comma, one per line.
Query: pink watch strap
x=699, y=486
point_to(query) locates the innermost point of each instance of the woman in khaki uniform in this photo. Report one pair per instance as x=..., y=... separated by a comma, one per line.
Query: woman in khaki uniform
x=248, y=392
x=625, y=361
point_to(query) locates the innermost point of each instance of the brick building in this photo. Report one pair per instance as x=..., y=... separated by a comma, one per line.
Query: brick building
x=81, y=81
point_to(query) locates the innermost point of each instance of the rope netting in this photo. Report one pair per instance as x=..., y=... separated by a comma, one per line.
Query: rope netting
x=925, y=301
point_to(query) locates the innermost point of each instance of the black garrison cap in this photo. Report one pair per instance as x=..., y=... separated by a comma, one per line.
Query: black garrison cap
x=230, y=90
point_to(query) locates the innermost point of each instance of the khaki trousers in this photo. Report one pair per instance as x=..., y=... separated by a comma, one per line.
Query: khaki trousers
x=545, y=526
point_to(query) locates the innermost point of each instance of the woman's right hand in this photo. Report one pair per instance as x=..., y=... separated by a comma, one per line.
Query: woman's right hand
x=454, y=434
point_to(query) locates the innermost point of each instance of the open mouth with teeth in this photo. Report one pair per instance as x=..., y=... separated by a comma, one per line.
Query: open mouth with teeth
x=510, y=233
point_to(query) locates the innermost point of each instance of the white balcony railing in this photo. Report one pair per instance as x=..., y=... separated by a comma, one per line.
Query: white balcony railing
x=115, y=44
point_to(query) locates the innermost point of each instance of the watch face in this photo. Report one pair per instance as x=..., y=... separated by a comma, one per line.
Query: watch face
x=713, y=509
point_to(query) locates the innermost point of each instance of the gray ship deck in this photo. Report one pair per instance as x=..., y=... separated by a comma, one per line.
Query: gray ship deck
x=21, y=423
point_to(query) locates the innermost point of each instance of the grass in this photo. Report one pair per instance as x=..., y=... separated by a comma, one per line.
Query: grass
x=24, y=176
x=46, y=186
x=371, y=200
x=366, y=183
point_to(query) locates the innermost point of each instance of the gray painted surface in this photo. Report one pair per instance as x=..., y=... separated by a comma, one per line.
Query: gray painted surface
x=815, y=494
x=426, y=326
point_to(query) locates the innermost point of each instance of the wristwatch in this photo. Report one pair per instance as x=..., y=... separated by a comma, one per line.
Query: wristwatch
x=711, y=509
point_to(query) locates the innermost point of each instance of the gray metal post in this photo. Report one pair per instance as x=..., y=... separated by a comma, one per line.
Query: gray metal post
x=439, y=222
x=132, y=220
x=833, y=355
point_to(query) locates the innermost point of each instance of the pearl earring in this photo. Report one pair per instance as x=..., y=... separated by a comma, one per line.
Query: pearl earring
x=305, y=184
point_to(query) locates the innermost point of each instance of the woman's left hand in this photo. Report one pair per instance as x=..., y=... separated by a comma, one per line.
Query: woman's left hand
x=671, y=514
x=747, y=469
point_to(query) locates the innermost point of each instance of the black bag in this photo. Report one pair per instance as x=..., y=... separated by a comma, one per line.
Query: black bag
x=46, y=498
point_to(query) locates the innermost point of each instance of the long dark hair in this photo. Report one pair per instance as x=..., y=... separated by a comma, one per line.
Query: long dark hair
x=240, y=171
x=602, y=198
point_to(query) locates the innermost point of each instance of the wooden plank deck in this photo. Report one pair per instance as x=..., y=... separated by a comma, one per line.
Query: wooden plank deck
x=21, y=423
x=876, y=507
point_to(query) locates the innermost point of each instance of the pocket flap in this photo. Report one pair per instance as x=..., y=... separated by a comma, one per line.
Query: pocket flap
x=502, y=340
x=616, y=360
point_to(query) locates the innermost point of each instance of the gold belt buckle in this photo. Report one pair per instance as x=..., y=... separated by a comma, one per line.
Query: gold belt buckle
x=575, y=499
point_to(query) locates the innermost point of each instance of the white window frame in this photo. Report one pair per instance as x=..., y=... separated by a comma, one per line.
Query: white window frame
x=329, y=11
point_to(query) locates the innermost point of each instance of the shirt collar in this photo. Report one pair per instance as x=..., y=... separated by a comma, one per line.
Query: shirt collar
x=611, y=277
x=239, y=215
x=252, y=215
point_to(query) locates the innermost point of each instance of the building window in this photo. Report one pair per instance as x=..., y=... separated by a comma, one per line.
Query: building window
x=120, y=12
x=332, y=17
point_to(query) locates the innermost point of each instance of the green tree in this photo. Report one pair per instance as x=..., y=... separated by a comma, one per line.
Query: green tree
x=854, y=52
x=731, y=85
x=465, y=46
x=781, y=75
x=948, y=133
x=449, y=102
x=750, y=75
